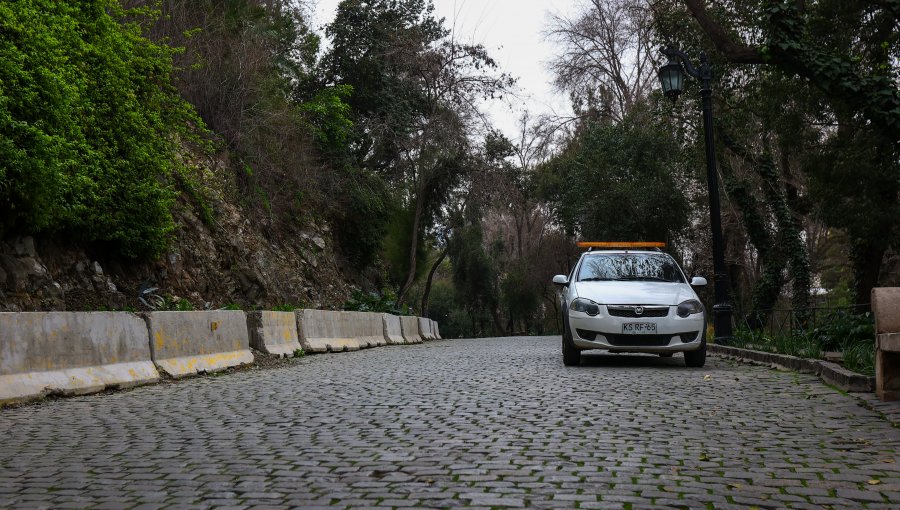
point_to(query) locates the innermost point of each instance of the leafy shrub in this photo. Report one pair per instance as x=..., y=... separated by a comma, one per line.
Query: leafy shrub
x=89, y=124
x=837, y=328
x=385, y=302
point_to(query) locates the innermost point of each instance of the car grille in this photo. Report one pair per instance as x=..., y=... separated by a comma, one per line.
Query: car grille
x=638, y=340
x=629, y=311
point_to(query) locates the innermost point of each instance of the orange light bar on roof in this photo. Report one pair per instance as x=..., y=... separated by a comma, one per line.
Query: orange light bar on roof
x=640, y=244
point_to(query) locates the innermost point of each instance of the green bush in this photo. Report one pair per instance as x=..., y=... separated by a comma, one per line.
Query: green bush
x=89, y=125
x=385, y=302
x=836, y=330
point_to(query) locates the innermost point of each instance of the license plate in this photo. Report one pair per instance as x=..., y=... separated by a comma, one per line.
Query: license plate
x=639, y=328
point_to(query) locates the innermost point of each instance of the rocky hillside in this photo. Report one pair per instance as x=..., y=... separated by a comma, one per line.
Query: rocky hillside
x=227, y=261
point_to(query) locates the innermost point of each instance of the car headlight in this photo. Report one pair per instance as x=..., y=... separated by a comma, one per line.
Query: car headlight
x=585, y=306
x=689, y=307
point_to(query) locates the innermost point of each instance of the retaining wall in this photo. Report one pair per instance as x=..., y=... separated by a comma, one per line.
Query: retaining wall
x=273, y=332
x=71, y=353
x=185, y=343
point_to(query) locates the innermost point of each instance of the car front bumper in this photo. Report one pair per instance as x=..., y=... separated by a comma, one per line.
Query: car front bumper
x=603, y=331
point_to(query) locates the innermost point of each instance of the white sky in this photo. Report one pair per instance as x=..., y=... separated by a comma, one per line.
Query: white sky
x=511, y=30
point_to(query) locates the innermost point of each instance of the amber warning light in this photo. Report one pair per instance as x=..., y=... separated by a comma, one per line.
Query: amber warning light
x=588, y=244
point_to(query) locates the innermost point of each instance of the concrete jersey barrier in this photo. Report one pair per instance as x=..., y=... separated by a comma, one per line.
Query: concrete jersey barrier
x=425, y=329
x=71, y=353
x=185, y=343
x=325, y=331
x=367, y=328
x=409, y=326
x=886, y=308
x=437, y=330
x=273, y=332
x=393, y=331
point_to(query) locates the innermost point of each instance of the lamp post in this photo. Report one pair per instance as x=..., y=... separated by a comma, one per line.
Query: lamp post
x=672, y=77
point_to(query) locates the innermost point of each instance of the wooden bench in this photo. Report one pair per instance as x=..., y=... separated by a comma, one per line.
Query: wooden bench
x=886, y=307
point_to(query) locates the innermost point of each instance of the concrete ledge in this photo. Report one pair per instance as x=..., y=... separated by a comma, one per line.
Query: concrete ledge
x=393, y=331
x=186, y=343
x=831, y=373
x=70, y=353
x=273, y=332
x=410, y=328
x=846, y=380
x=325, y=331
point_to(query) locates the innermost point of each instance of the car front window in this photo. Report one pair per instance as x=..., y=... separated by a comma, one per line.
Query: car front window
x=629, y=267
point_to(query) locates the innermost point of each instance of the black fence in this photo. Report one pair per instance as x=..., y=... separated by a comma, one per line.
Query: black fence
x=787, y=321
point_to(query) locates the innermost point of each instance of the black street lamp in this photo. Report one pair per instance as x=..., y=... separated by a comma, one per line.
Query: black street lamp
x=672, y=77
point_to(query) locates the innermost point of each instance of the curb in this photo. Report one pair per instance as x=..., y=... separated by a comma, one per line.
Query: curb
x=830, y=373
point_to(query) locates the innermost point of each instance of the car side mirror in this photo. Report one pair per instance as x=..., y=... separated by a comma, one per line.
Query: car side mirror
x=560, y=279
x=698, y=281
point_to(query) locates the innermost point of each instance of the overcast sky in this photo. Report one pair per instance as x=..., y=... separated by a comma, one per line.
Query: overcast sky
x=511, y=30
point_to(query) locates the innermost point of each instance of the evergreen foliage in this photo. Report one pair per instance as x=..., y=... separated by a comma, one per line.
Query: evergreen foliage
x=89, y=125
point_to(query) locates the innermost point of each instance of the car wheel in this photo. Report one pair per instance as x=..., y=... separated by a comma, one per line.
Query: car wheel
x=571, y=354
x=697, y=358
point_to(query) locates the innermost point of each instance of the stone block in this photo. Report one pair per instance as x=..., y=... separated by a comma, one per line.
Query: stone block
x=186, y=343
x=71, y=353
x=273, y=332
x=886, y=307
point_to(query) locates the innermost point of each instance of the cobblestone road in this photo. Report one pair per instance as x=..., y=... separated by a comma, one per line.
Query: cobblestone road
x=480, y=423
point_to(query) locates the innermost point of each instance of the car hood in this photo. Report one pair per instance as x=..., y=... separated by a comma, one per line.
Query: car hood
x=635, y=293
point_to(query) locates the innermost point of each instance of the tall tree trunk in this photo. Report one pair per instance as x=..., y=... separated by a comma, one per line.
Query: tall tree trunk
x=413, y=246
x=427, y=292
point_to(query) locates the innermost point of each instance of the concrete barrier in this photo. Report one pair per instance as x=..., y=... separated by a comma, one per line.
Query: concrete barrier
x=409, y=326
x=273, y=332
x=425, y=329
x=185, y=343
x=886, y=308
x=393, y=331
x=367, y=328
x=437, y=331
x=71, y=353
x=325, y=331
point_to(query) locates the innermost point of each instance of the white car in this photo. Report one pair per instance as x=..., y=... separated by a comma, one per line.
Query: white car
x=631, y=300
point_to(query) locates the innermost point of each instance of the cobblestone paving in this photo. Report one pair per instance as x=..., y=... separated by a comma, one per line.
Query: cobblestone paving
x=480, y=423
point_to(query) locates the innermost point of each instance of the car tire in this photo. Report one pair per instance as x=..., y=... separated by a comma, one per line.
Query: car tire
x=571, y=354
x=696, y=358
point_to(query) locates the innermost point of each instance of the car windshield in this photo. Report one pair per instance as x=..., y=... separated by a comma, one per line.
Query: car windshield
x=629, y=267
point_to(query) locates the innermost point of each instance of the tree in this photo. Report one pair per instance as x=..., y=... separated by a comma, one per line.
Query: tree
x=414, y=102
x=607, y=59
x=616, y=182
x=846, y=54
